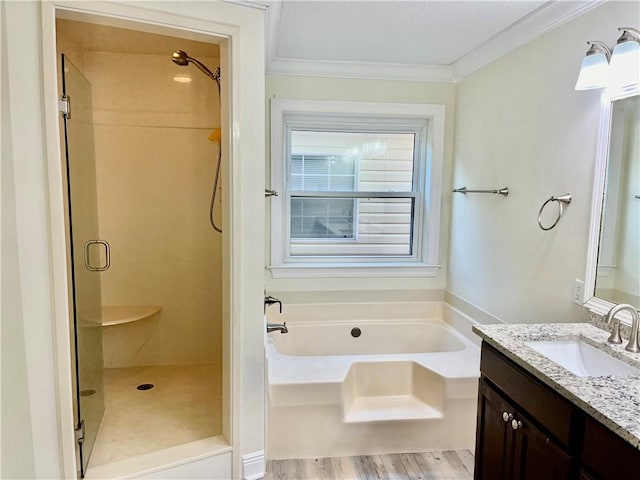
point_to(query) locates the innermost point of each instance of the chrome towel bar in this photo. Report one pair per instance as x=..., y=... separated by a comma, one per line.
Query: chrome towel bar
x=562, y=200
x=503, y=191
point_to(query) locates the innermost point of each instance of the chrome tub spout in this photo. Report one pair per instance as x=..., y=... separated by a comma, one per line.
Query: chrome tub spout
x=281, y=327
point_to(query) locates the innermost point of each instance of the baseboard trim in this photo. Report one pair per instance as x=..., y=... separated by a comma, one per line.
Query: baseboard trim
x=253, y=466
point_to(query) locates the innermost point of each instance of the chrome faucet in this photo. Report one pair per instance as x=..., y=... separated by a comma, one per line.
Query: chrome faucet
x=633, y=345
x=281, y=327
x=272, y=327
x=269, y=300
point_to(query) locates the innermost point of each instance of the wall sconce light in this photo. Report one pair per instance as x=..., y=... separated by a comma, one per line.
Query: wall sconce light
x=625, y=59
x=594, y=72
x=603, y=68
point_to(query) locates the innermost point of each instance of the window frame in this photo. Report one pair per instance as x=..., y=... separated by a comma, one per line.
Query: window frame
x=315, y=115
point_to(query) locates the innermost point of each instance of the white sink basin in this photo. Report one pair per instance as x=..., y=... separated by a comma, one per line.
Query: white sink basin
x=581, y=358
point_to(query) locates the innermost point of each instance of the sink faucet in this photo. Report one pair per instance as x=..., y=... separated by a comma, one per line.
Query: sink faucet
x=633, y=345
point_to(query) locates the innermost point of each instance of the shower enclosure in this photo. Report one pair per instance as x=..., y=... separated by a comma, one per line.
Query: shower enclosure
x=142, y=168
x=85, y=258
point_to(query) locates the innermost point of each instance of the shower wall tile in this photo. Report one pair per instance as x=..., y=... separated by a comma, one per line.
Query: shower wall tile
x=155, y=169
x=71, y=49
x=137, y=89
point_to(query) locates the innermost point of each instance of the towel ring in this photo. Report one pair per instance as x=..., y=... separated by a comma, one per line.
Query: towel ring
x=562, y=200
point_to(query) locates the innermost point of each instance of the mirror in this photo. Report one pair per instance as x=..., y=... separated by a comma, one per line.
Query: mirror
x=617, y=195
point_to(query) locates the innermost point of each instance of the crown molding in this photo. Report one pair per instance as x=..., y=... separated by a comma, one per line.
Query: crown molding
x=272, y=32
x=547, y=17
x=342, y=69
x=371, y=70
x=542, y=20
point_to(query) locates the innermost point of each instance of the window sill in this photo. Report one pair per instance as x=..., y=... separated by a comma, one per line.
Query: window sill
x=353, y=270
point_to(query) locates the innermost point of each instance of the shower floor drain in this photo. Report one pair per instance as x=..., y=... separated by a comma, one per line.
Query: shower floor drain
x=145, y=386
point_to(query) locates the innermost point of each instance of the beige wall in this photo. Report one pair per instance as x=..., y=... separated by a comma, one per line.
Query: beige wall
x=155, y=170
x=363, y=90
x=521, y=124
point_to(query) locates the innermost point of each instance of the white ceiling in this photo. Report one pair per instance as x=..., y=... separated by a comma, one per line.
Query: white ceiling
x=393, y=32
x=405, y=39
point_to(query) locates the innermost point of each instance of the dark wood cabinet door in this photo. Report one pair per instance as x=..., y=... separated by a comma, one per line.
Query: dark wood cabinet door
x=585, y=476
x=536, y=456
x=494, y=436
x=607, y=456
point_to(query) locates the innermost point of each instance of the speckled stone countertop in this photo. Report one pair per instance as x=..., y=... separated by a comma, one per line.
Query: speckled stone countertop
x=612, y=400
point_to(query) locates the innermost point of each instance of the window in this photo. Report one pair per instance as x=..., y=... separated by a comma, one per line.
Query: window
x=315, y=218
x=360, y=188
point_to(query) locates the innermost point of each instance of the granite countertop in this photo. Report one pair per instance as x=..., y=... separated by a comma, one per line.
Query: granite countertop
x=612, y=400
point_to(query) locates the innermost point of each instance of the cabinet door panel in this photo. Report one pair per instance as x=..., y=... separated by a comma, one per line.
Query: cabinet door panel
x=608, y=456
x=537, y=456
x=494, y=436
x=550, y=410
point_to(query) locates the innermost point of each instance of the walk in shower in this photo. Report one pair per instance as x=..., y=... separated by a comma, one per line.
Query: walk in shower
x=147, y=264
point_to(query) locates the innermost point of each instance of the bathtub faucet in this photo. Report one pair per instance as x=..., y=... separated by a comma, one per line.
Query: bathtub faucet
x=282, y=327
x=269, y=300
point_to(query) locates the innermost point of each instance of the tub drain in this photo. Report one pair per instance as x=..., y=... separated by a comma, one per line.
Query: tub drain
x=145, y=386
x=356, y=332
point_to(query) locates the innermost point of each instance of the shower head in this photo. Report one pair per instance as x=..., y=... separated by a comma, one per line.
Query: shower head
x=181, y=58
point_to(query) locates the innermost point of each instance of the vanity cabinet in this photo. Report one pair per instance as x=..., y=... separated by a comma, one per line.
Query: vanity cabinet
x=511, y=446
x=526, y=430
x=605, y=455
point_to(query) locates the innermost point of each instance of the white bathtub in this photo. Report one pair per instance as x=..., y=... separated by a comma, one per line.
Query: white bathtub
x=407, y=383
x=372, y=338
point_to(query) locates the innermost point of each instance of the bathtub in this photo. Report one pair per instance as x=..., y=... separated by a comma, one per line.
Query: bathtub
x=370, y=338
x=369, y=378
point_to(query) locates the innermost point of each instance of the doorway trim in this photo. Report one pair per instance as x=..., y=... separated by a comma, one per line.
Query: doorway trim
x=241, y=30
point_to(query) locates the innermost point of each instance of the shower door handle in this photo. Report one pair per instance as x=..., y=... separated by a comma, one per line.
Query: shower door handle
x=107, y=252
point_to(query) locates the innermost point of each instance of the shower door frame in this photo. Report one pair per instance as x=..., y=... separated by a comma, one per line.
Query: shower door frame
x=85, y=282
x=241, y=33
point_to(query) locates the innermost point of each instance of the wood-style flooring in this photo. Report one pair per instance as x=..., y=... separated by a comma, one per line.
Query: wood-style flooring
x=447, y=465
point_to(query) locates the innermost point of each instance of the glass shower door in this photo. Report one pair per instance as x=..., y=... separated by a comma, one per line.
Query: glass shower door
x=89, y=256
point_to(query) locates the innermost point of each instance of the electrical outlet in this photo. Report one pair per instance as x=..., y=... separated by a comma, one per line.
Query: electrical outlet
x=578, y=292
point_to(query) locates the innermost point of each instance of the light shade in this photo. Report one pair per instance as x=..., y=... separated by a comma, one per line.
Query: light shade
x=594, y=72
x=625, y=59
